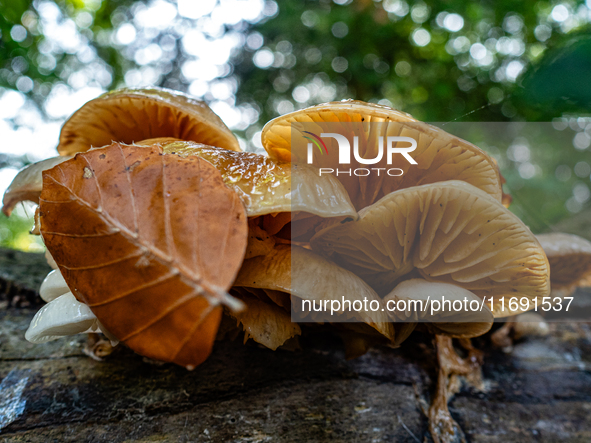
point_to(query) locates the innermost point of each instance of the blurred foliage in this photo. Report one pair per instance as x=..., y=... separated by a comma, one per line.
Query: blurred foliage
x=14, y=232
x=442, y=61
x=440, y=81
x=562, y=82
x=528, y=154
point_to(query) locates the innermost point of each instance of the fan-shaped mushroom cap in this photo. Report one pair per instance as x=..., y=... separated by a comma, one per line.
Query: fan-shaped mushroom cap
x=439, y=155
x=266, y=186
x=28, y=183
x=307, y=276
x=129, y=115
x=266, y=322
x=53, y=286
x=450, y=232
x=570, y=259
x=263, y=185
x=462, y=322
x=60, y=317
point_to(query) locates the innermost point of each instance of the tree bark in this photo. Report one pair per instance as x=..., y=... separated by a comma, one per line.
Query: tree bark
x=54, y=392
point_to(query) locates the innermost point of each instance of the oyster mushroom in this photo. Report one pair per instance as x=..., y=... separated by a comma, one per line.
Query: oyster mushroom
x=569, y=257
x=297, y=274
x=447, y=232
x=570, y=261
x=53, y=286
x=472, y=319
x=28, y=183
x=63, y=315
x=438, y=155
x=530, y=324
x=266, y=186
x=129, y=115
x=290, y=198
x=264, y=320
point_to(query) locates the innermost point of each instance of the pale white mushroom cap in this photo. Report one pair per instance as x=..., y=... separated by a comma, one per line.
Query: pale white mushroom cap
x=53, y=286
x=61, y=317
x=530, y=324
x=28, y=183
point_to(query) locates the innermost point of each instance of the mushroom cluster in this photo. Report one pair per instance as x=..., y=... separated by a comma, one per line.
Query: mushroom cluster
x=437, y=230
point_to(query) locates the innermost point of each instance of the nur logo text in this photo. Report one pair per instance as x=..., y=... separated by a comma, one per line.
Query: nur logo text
x=387, y=147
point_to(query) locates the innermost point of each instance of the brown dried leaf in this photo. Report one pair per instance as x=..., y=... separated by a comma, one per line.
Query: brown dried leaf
x=150, y=242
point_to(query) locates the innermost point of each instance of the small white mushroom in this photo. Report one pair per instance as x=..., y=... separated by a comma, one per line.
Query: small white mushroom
x=50, y=261
x=53, y=286
x=28, y=183
x=61, y=317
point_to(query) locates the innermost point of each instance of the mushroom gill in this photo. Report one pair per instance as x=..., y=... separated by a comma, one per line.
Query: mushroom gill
x=570, y=260
x=130, y=115
x=448, y=232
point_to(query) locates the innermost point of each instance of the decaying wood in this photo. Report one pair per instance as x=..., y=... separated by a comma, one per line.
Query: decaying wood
x=21, y=274
x=539, y=392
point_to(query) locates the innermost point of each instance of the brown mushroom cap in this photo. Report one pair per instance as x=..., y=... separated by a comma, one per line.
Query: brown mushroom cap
x=570, y=259
x=129, y=115
x=263, y=185
x=462, y=323
x=307, y=276
x=266, y=186
x=263, y=320
x=440, y=156
x=450, y=232
x=530, y=324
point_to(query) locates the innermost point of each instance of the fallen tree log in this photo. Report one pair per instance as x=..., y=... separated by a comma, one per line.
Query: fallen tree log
x=54, y=392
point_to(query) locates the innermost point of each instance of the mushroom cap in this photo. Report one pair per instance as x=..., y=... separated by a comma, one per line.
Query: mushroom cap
x=128, y=115
x=449, y=232
x=439, y=155
x=53, y=286
x=60, y=317
x=460, y=323
x=530, y=324
x=264, y=321
x=307, y=276
x=28, y=183
x=266, y=186
x=569, y=257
